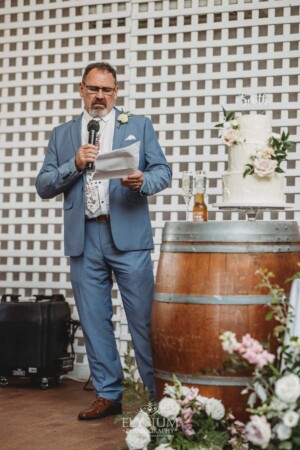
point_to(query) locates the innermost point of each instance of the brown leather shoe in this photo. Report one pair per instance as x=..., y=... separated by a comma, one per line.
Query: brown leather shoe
x=100, y=408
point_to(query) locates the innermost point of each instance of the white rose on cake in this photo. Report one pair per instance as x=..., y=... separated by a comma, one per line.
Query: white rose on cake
x=264, y=167
x=264, y=152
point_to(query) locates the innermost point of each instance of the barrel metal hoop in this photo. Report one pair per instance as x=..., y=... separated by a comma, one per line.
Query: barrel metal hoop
x=221, y=248
x=214, y=299
x=203, y=379
x=232, y=231
x=229, y=238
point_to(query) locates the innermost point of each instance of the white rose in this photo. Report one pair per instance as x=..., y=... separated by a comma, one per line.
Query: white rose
x=259, y=431
x=283, y=432
x=264, y=166
x=138, y=438
x=287, y=388
x=169, y=408
x=141, y=420
x=215, y=409
x=290, y=419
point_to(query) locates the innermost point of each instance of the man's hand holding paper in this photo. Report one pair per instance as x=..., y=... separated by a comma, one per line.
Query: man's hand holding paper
x=133, y=181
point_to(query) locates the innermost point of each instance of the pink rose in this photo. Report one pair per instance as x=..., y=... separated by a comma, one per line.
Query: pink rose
x=264, y=167
x=230, y=137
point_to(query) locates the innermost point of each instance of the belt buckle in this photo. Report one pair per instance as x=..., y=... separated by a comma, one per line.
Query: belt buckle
x=103, y=218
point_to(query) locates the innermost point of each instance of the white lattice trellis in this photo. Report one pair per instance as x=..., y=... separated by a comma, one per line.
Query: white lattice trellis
x=178, y=61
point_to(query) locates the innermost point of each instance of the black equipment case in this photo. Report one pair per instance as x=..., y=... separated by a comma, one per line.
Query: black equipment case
x=35, y=337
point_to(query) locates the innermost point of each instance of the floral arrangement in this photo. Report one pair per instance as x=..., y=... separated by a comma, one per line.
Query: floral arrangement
x=123, y=118
x=274, y=393
x=267, y=158
x=231, y=134
x=185, y=420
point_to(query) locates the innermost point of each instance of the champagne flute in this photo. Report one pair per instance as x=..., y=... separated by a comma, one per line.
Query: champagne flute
x=187, y=187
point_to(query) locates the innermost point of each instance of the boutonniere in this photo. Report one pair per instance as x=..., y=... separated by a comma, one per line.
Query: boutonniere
x=123, y=118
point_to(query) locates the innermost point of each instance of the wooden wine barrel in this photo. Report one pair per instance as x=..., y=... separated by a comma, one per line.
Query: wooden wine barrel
x=207, y=284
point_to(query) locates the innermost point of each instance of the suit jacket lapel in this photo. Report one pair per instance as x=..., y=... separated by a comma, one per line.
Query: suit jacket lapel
x=76, y=137
x=76, y=133
x=119, y=131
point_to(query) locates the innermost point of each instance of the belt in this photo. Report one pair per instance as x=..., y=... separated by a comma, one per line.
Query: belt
x=103, y=218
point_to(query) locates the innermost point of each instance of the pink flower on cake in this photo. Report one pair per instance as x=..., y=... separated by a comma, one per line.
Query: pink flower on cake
x=264, y=152
x=230, y=137
x=230, y=126
x=264, y=166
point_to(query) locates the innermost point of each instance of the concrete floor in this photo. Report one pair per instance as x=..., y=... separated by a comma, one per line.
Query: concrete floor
x=36, y=419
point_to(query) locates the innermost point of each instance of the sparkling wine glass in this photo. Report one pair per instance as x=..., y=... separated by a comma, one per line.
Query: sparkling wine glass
x=187, y=187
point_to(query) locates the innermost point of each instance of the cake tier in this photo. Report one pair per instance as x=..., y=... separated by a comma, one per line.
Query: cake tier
x=253, y=189
x=256, y=131
x=239, y=156
x=255, y=128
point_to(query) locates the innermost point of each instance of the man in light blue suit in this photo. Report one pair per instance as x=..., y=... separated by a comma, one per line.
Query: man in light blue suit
x=107, y=230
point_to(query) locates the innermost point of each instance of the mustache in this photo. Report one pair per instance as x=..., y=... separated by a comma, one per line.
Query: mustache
x=98, y=102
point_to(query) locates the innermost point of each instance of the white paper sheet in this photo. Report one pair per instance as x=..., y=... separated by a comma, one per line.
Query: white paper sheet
x=118, y=163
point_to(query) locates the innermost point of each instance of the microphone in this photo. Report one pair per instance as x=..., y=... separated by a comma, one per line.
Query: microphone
x=93, y=128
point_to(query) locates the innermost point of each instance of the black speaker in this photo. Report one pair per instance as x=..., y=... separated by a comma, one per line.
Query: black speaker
x=35, y=337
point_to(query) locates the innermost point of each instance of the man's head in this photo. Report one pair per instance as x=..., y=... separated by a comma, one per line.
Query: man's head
x=99, y=102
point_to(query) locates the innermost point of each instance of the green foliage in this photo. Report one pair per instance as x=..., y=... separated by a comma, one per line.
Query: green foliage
x=227, y=117
x=134, y=389
x=280, y=147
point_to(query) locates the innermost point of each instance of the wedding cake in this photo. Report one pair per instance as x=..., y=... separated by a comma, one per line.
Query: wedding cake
x=254, y=156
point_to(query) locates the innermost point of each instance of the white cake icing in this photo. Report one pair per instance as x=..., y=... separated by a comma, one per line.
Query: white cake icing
x=254, y=189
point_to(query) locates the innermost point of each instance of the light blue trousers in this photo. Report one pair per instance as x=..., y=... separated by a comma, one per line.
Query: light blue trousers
x=91, y=277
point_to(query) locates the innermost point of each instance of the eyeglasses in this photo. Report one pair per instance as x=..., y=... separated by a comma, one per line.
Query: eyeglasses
x=107, y=91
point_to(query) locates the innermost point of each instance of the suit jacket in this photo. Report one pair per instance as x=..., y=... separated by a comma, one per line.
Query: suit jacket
x=129, y=211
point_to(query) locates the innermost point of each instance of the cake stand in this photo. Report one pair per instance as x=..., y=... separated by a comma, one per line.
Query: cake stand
x=251, y=209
